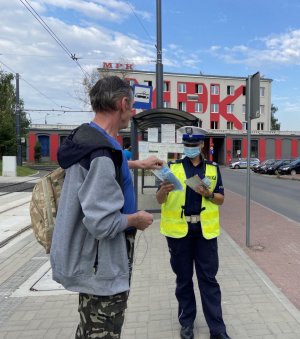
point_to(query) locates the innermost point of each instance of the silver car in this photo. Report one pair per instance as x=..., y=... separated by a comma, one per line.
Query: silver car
x=242, y=163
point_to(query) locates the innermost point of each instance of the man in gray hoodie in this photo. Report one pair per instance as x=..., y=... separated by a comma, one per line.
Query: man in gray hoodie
x=96, y=214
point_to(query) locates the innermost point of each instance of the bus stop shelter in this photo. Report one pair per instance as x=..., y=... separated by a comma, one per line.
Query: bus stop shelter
x=154, y=118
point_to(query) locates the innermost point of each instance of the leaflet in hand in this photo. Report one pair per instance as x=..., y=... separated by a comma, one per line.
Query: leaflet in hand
x=195, y=181
x=165, y=174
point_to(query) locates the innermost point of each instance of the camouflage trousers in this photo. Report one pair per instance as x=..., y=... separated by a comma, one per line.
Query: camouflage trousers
x=101, y=316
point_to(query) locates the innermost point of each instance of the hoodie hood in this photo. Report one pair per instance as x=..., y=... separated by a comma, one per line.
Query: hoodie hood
x=82, y=141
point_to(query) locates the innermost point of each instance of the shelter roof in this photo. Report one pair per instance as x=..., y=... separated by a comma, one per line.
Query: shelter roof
x=157, y=116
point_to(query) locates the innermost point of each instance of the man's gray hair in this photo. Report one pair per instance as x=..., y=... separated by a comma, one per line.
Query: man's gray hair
x=107, y=92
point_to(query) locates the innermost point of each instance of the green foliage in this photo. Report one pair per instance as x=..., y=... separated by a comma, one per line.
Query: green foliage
x=275, y=125
x=8, y=142
x=37, y=151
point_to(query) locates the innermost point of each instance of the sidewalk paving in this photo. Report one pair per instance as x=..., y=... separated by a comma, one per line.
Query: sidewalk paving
x=253, y=306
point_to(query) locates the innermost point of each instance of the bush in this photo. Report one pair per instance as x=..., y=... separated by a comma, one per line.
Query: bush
x=37, y=152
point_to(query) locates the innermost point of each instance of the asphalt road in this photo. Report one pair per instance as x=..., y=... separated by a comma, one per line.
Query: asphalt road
x=280, y=195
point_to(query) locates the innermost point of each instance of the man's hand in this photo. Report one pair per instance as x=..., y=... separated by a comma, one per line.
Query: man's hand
x=140, y=220
x=151, y=162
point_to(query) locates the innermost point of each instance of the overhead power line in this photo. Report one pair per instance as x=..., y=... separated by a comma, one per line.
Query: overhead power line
x=55, y=110
x=139, y=20
x=1, y=62
x=44, y=95
x=29, y=84
x=52, y=34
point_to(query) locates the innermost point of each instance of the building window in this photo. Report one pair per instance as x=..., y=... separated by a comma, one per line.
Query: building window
x=62, y=139
x=214, y=108
x=200, y=123
x=260, y=126
x=230, y=108
x=236, y=148
x=182, y=105
x=148, y=82
x=166, y=104
x=229, y=125
x=181, y=87
x=254, y=149
x=244, y=90
x=230, y=90
x=214, y=125
x=245, y=124
x=198, y=107
x=166, y=86
x=214, y=89
x=262, y=109
x=198, y=88
x=262, y=91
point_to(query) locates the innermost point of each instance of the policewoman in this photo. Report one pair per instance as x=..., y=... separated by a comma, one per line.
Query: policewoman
x=190, y=222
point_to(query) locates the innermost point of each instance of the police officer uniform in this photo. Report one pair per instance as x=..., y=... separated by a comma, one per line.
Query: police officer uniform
x=192, y=244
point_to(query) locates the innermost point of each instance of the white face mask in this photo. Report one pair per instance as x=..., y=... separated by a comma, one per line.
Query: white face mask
x=191, y=152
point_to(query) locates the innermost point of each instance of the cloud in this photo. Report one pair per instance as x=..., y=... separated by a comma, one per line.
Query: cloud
x=46, y=71
x=108, y=10
x=281, y=49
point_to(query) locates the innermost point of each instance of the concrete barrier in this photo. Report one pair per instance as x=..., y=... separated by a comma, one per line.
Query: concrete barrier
x=9, y=166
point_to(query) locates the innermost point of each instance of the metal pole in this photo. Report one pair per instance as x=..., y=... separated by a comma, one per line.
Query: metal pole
x=18, y=126
x=248, y=108
x=159, y=65
x=134, y=147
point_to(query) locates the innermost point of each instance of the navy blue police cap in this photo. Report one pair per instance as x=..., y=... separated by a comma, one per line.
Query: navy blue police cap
x=192, y=135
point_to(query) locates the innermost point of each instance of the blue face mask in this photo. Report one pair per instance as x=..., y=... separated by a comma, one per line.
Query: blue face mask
x=191, y=152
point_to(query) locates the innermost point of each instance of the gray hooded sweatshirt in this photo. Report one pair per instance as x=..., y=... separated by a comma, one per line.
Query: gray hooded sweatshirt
x=88, y=251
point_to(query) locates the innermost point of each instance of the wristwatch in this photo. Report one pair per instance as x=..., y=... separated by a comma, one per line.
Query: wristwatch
x=211, y=196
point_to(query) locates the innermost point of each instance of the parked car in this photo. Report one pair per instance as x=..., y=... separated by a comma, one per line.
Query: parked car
x=272, y=168
x=242, y=163
x=256, y=167
x=263, y=166
x=292, y=168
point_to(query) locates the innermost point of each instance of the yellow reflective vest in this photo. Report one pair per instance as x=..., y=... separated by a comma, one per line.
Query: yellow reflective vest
x=173, y=223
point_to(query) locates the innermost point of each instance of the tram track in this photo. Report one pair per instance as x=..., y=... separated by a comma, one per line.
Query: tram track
x=14, y=199
x=23, y=186
x=14, y=236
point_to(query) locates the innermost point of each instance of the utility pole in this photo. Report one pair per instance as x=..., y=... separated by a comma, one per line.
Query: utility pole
x=159, y=64
x=252, y=112
x=18, y=124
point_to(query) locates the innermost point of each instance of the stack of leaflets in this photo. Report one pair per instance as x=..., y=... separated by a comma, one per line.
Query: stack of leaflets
x=165, y=174
x=195, y=181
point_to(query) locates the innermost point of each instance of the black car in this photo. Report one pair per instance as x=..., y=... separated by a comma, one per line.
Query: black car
x=272, y=168
x=263, y=165
x=291, y=168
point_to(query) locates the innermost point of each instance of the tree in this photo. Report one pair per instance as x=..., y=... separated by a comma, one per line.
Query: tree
x=275, y=125
x=37, y=151
x=99, y=73
x=8, y=142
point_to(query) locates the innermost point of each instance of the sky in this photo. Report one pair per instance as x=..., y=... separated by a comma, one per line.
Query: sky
x=220, y=37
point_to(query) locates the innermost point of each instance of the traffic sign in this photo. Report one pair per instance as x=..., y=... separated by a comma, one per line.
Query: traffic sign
x=142, y=95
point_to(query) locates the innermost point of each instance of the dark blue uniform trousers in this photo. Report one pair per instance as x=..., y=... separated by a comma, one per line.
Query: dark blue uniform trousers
x=186, y=252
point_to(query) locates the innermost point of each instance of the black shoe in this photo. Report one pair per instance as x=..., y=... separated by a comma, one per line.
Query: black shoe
x=220, y=336
x=187, y=332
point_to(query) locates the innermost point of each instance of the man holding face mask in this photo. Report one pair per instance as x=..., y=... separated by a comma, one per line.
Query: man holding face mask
x=190, y=222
